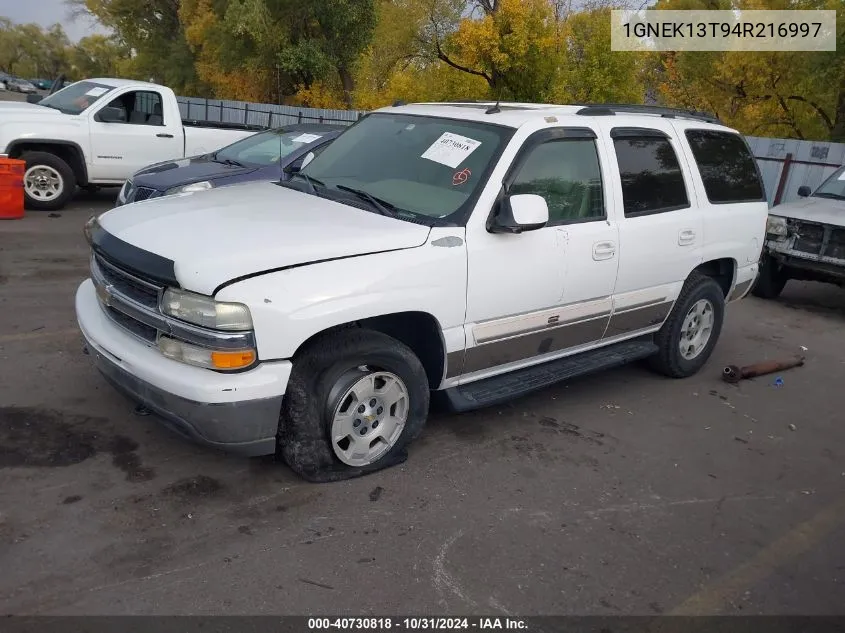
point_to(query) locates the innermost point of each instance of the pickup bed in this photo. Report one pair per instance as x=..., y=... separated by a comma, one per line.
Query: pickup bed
x=469, y=252
x=100, y=132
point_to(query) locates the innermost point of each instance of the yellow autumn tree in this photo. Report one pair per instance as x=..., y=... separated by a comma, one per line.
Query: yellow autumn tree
x=784, y=94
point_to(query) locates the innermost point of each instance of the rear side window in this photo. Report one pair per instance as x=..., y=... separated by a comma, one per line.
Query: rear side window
x=727, y=167
x=652, y=181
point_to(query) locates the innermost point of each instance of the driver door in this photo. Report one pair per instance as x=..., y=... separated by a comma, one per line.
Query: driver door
x=147, y=135
x=536, y=294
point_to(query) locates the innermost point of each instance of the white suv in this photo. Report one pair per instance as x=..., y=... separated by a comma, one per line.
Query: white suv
x=478, y=251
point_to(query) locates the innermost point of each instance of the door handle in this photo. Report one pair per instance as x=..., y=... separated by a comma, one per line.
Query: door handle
x=163, y=135
x=603, y=250
x=687, y=236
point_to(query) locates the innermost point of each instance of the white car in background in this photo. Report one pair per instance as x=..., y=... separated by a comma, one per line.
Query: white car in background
x=805, y=239
x=100, y=132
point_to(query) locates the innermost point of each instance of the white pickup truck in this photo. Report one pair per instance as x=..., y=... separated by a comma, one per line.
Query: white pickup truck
x=100, y=132
x=474, y=251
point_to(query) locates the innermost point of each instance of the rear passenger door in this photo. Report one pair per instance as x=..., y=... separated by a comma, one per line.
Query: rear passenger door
x=660, y=225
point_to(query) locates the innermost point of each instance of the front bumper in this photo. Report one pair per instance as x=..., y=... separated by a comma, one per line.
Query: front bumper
x=812, y=266
x=236, y=412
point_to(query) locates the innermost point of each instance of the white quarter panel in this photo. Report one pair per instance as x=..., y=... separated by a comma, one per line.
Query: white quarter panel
x=290, y=306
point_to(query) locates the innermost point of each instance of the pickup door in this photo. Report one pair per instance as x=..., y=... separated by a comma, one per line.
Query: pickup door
x=151, y=132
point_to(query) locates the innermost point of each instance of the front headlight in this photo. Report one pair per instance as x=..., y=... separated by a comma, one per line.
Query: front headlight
x=205, y=311
x=194, y=186
x=776, y=226
x=123, y=194
x=202, y=357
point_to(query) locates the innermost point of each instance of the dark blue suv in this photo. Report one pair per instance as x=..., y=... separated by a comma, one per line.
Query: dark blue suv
x=269, y=155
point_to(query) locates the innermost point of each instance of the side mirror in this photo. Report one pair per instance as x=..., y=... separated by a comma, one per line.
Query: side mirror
x=520, y=212
x=33, y=98
x=804, y=191
x=110, y=114
x=308, y=158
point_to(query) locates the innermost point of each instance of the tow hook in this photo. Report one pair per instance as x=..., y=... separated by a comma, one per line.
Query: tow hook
x=85, y=350
x=142, y=410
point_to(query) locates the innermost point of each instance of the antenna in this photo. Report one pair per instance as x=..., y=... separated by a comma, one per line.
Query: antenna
x=495, y=109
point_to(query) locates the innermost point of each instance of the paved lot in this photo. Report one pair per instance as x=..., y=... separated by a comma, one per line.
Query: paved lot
x=621, y=493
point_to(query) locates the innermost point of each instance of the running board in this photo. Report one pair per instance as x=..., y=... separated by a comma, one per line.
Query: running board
x=502, y=388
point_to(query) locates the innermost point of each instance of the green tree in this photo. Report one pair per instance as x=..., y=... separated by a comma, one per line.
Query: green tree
x=98, y=56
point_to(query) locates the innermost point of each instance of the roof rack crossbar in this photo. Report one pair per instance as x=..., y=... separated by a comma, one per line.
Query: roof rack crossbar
x=606, y=109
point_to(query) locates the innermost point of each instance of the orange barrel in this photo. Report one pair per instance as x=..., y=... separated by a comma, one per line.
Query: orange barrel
x=11, y=188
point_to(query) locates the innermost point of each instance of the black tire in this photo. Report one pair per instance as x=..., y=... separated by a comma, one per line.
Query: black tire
x=668, y=360
x=321, y=375
x=51, y=161
x=771, y=280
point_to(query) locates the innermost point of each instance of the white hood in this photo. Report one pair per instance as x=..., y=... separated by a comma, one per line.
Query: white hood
x=21, y=110
x=823, y=210
x=219, y=235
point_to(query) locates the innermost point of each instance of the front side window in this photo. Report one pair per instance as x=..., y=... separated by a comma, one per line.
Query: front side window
x=652, y=181
x=425, y=166
x=267, y=148
x=567, y=175
x=833, y=187
x=76, y=97
x=727, y=167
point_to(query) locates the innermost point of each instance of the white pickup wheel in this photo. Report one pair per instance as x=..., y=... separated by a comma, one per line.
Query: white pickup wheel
x=355, y=399
x=48, y=181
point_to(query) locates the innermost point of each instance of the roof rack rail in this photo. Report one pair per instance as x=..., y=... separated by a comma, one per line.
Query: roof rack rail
x=607, y=109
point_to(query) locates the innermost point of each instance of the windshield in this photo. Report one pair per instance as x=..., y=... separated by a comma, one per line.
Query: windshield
x=833, y=187
x=428, y=166
x=267, y=148
x=76, y=97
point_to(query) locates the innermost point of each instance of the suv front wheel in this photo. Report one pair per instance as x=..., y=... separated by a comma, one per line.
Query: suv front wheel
x=355, y=399
x=689, y=335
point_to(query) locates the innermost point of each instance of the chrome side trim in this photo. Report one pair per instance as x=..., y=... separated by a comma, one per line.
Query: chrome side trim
x=537, y=343
x=633, y=320
x=740, y=290
x=541, y=320
x=192, y=334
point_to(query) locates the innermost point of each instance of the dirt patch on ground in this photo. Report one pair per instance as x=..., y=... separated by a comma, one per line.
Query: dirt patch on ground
x=44, y=438
x=199, y=486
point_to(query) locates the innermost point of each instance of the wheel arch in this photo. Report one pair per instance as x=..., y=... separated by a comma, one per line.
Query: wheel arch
x=420, y=331
x=722, y=271
x=68, y=151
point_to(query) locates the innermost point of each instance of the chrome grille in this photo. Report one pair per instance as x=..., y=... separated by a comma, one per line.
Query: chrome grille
x=141, y=330
x=144, y=292
x=810, y=238
x=835, y=246
x=132, y=303
x=142, y=193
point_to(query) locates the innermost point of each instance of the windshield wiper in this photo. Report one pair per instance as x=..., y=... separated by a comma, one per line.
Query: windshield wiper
x=226, y=161
x=832, y=196
x=382, y=206
x=311, y=182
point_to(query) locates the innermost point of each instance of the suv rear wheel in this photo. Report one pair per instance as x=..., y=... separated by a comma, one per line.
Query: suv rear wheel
x=690, y=333
x=355, y=400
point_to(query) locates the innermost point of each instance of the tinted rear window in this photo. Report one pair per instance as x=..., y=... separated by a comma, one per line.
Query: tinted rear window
x=652, y=181
x=727, y=167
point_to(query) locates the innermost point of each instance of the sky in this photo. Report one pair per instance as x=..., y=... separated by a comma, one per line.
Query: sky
x=47, y=12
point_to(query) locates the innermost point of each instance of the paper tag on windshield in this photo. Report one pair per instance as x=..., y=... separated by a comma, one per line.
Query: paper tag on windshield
x=306, y=138
x=451, y=149
x=841, y=176
x=97, y=92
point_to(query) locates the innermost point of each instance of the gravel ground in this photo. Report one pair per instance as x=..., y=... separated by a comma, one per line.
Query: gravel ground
x=622, y=493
